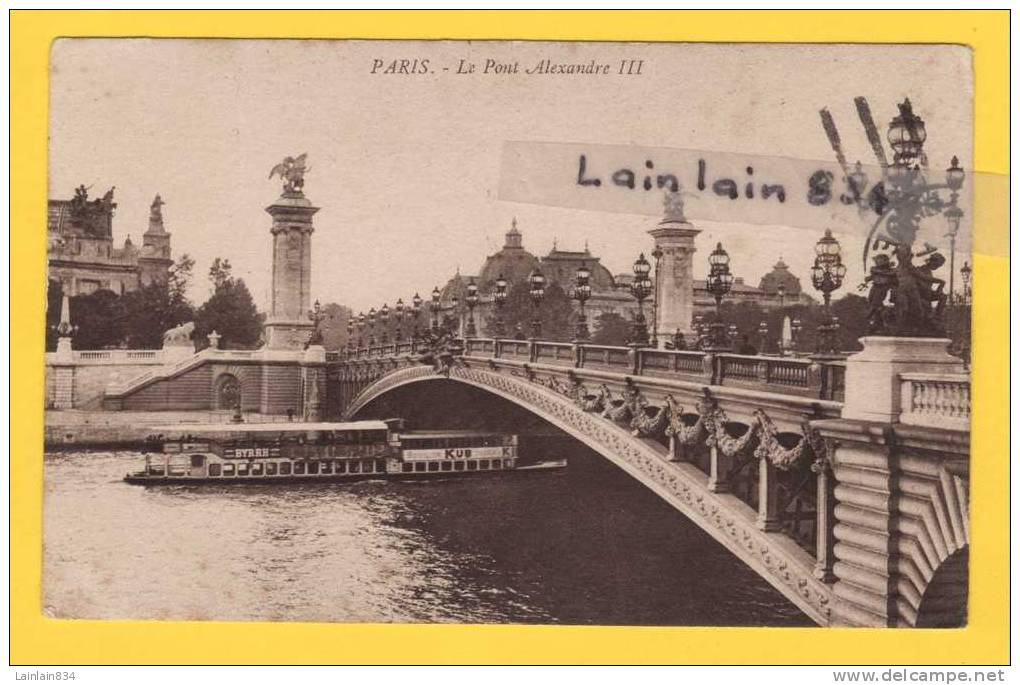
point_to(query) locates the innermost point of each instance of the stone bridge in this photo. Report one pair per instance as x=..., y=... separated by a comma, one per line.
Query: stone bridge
x=859, y=522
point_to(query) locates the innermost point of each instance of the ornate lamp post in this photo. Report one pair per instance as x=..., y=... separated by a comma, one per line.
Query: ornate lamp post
x=781, y=291
x=455, y=308
x=384, y=321
x=361, y=329
x=415, y=312
x=315, y=314
x=718, y=284
x=795, y=327
x=536, y=283
x=657, y=256
x=641, y=288
x=499, y=297
x=827, y=276
x=471, y=298
x=763, y=335
x=398, y=317
x=582, y=292
x=964, y=301
x=371, y=327
x=909, y=198
x=434, y=308
x=350, y=335
x=953, y=214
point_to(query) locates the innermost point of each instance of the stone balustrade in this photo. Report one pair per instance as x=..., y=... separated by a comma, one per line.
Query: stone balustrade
x=83, y=357
x=935, y=400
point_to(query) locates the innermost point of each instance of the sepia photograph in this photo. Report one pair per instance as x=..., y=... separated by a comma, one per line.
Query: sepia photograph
x=508, y=332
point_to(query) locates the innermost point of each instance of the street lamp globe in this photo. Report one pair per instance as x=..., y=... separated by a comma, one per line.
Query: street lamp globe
x=954, y=174
x=906, y=134
x=719, y=257
x=827, y=248
x=641, y=268
x=536, y=281
x=583, y=274
x=858, y=179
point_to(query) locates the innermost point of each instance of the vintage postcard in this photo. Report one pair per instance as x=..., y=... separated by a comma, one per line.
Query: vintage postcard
x=489, y=332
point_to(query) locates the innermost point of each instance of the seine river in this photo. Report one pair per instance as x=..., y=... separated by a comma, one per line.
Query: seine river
x=583, y=545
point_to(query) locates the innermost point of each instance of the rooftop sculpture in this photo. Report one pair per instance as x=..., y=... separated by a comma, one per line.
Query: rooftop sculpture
x=292, y=170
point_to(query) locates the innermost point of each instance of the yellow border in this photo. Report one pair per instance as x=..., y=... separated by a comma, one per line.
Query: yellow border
x=38, y=640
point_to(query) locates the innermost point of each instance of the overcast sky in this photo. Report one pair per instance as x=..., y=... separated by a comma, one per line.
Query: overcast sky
x=405, y=167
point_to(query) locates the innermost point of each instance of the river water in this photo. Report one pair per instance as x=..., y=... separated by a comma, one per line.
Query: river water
x=583, y=545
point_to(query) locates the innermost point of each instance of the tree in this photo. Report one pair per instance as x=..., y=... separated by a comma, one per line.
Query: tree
x=611, y=329
x=852, y=311
x=556, y=312
x=54, y=300
x=153, y=309
x=334, y=325
x=98, y=317
x=230, y=311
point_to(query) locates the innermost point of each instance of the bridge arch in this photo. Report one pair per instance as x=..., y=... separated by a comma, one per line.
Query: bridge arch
x=944, y=603
x=780, y=562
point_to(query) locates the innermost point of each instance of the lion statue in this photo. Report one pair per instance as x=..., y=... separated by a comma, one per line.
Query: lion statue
x=179, y=335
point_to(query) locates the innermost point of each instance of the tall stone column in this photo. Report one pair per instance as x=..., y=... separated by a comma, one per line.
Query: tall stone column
x=288, y=326
x=674, y=287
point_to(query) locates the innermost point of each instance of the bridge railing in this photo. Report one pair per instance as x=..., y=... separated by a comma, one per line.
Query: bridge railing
x=820, y=378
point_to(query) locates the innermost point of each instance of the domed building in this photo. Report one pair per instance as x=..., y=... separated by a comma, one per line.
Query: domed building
x=560, y=266
x=456, y=288
x=513, y=262
x=780, y=280
x=609, y=294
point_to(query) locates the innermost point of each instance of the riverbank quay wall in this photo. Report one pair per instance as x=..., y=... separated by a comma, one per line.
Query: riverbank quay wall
x=288, y=383
x=74, y=429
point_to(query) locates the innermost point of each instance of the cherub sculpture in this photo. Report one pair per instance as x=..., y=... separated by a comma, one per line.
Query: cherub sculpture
x=882, y=279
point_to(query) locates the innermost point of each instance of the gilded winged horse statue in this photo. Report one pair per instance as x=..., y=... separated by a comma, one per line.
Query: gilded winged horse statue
x=292, y=170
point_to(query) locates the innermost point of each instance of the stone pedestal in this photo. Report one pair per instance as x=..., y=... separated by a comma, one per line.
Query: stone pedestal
x=64, y=350
x=674, y=288
x=873, y=390
x=288, y=325
x=175, y=352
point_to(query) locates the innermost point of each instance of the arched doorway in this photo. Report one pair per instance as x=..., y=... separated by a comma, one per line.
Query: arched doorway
x=944, y=604
x=227, y=393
